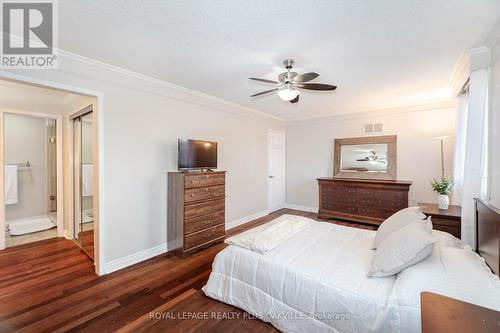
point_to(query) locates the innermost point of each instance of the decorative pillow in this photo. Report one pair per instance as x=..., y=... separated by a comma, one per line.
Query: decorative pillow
x=402, y=249
x=397, y=221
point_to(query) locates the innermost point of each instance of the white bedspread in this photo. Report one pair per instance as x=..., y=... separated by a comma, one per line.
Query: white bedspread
x=316, y=281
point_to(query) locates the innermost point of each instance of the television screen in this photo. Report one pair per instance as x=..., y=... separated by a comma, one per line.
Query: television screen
x=197, y=154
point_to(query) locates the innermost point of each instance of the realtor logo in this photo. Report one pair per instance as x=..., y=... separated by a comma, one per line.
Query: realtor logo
x=29, y=38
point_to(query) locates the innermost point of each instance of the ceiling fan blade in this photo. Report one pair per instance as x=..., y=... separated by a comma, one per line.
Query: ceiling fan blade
x=305, y=77
x=295, y=100
x=264, y=92
x=317, y=86
x=263, y=80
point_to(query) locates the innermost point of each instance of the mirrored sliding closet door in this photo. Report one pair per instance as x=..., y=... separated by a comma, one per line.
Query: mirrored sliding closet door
x=83, y=181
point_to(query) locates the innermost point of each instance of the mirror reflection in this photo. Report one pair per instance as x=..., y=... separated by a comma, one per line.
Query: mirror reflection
x=364, y=158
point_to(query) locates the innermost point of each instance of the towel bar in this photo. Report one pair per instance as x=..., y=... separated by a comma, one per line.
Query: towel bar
x=22, y=165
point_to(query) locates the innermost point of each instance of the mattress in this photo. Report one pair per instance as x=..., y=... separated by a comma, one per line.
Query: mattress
x=316, y=281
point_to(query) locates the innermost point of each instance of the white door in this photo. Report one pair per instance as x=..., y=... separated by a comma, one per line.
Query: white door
x=276, y=170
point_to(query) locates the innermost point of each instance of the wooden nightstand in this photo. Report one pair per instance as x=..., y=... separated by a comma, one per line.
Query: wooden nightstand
x=448, y=220
x=441, y=314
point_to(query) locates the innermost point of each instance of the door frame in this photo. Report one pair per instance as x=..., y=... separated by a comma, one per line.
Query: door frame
x=269, y=132
x=59, y=168
x=99, y=189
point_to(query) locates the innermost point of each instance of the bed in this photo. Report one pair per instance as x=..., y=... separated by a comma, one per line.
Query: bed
x=316, y=281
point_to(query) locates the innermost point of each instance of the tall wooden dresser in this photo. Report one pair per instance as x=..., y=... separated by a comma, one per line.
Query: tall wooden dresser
x=361, y=200
x=196, y=210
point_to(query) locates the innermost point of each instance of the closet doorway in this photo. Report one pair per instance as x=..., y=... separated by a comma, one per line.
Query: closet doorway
x=82, y=124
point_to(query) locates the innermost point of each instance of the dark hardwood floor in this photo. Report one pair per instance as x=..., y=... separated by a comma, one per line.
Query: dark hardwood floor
x=50, y=286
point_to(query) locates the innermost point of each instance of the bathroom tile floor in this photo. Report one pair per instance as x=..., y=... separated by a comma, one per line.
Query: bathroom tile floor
x=31, y=237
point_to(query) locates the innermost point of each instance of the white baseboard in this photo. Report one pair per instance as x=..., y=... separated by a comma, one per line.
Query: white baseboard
x=66, y=234
x=135, y=258
x=243, y=220
x=303, y=208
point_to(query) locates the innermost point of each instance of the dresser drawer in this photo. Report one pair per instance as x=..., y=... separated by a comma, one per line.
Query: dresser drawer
x=375, y=212
x=339, y=190
x=379, y=203
x=194, y=181
x=448, y=222
x=200, y=223
x=204, y=208
x=383, y=195
x=203, y=237
x=350, y=209
x=455, y=231
x=204, y=193
x=338, y=198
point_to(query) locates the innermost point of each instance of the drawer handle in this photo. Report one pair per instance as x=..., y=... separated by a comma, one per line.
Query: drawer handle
x=208, y=222
x=192, y=195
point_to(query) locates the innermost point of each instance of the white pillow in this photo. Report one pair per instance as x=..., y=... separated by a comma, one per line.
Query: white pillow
x=446, y=239
x=397, y=221
x=402, y=249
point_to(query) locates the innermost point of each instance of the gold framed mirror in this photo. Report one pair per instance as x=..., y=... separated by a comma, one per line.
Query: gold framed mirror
x=373, y=157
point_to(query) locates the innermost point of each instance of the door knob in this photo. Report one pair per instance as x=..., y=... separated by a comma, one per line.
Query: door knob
x=270, y=177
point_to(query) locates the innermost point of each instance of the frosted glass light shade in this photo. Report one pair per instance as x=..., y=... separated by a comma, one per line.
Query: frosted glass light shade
x=288, y=94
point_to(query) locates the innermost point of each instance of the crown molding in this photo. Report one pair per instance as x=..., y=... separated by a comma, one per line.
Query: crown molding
x=219, y=104
x=480, y=58
x=442, y=105
x=215, y=102
x=460, y=74
x=495, y=50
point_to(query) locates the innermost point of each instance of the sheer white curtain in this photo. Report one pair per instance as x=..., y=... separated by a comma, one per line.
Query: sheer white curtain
x=471, y=157
x=459, y=160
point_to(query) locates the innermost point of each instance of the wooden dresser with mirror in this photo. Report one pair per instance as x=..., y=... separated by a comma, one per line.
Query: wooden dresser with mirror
x=196, y=210
x=364, y=187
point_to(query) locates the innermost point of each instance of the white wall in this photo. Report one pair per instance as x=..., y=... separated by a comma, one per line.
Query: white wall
x=26, y=140
x=495, y=127
x=141, y=121
x=141, y=132
x=310, y=149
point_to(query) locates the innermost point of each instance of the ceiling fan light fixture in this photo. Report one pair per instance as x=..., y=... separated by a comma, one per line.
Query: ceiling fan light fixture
x=287, y=94
x=290, y=83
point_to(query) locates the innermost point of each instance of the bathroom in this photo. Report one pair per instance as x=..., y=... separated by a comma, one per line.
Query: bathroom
x=30, y=152
x=48, y=138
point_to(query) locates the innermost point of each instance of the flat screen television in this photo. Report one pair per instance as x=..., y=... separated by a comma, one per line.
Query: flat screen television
x=196, y=154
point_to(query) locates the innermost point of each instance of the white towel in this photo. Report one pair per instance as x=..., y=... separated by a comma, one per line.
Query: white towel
x=11, y=189
x=29, y=225
x=87, y=180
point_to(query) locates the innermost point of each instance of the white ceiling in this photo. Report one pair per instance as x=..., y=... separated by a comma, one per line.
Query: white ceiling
x=379, y=53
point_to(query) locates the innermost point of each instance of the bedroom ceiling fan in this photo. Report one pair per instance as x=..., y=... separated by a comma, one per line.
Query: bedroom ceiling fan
x=289, y=83
x=372, y=158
